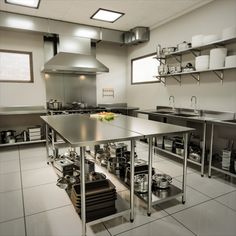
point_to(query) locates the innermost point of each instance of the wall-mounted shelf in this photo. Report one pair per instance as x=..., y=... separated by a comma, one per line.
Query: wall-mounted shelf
x=194, y=50
x=195, y=74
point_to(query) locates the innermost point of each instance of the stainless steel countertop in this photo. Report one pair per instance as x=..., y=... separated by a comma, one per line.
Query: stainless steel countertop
x=147, y=128
x=21, y=110
x=200, y=119
x=81, y=130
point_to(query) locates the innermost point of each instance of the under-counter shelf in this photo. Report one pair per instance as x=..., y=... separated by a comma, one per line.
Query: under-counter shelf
x=22, y=143
x=217, y=167
x=162, y=195
x=176, y=155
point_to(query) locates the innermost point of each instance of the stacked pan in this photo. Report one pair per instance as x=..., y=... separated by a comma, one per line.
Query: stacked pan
x=100, y=199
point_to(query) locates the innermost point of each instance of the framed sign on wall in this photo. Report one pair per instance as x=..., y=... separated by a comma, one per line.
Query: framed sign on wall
x=16, y=66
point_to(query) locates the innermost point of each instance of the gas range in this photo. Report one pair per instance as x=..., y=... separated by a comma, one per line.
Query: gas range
x=77, y=110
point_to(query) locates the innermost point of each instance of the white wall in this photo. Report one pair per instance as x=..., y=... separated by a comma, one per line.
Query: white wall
x=211, y=94
x=115, y=58
x=19, y=94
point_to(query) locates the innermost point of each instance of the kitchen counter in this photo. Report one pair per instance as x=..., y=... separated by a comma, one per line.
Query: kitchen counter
x=195, y=118
x=22, y=110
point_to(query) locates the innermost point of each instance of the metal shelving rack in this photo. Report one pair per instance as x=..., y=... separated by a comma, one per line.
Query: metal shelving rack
x=217, y=166
x=22, y=143
x=196, y=51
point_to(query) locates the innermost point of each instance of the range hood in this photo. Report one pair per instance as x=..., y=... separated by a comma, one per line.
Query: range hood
x=74, y=57
x=74, y=63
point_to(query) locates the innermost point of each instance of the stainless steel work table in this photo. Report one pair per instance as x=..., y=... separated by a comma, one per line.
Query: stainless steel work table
x=79, y=130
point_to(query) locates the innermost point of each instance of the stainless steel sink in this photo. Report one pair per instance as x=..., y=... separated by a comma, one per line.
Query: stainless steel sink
x=164, y=112
x=185, y=115
x=231, y=121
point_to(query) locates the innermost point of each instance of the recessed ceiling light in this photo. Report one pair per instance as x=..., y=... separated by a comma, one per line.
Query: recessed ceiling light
x=106, y=15
x=24, y=3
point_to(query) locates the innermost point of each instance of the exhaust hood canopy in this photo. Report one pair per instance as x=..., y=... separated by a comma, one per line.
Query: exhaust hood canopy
x=74, y=63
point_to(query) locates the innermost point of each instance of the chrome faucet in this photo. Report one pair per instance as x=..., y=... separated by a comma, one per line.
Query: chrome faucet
x=195, y=103
x=173, y=102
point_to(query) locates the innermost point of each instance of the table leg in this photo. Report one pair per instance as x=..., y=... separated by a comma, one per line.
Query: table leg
x=211, y=150
x=82, y=190
x=203, y=149
x=47, y=143
x=150, y=147
x=132, y=181
x=185, y=167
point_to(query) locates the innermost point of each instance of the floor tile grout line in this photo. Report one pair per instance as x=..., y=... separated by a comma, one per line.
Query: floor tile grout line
x=186, y=207
x=183, y=225
x=35, y=169
x=22, y=192
x=106, y=229
x=55, y=208
x=138, y=226
x=212, y=198
x=29, y=187
x=17, y=218
x=9, y=191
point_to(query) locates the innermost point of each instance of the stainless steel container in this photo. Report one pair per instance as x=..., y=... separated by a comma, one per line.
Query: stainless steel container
x=161, y=181
x=141, y=183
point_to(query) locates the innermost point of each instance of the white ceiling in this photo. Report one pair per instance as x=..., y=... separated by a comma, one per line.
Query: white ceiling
x=150, y=13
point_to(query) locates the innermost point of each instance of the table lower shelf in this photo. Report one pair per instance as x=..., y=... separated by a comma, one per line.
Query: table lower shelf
x=162, y=195
x=22, y=143
x=217, y=167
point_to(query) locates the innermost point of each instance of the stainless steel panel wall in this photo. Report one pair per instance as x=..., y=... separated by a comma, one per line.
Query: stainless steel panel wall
x=69, y=88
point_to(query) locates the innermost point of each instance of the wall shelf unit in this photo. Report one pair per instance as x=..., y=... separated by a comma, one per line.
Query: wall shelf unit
x=195, y=51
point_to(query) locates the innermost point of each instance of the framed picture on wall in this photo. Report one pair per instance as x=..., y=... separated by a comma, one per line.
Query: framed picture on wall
x=16, y=66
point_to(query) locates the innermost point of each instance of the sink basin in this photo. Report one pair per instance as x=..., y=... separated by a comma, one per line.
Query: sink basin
x=231, y=121
x=164, y=112
x=185, y=115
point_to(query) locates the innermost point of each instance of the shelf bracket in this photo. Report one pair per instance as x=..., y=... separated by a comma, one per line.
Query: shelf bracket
x=176, y=58
x=177, y=79
x=195, y=53
x=196, y=77
x=161, y=79
x=219, y=74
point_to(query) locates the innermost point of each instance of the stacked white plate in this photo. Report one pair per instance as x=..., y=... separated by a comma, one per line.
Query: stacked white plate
x=197, y=40
x=230, y=61
x=217, y=58
x=210, y=38
x=202, y=62
x=229, y=32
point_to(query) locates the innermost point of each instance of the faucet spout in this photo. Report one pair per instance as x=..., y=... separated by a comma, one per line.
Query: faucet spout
x=172, y=101
x=194, y=98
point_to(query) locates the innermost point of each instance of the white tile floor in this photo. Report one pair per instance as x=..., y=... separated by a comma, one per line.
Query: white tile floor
x=31, y=204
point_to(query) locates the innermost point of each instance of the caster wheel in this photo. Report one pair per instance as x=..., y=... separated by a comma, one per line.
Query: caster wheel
x=131, y=221
x=149, y=214
x=202, y=175
x=183, y=202
x=209, y=177
x=48, y=163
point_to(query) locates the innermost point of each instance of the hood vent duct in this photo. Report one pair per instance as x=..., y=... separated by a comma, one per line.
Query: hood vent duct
x=74, y=57
x=136, y=35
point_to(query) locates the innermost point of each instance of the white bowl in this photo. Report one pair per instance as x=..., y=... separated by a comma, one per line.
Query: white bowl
x=202, y=62
x=217, y=58
x=197, y=40
x=210, y=38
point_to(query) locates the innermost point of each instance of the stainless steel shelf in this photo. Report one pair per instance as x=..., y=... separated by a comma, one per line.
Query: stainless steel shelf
x=221, y=42
x=222, y=171
x=22, y=143
x=162, y=195
x=175, y=155
x=122, y=207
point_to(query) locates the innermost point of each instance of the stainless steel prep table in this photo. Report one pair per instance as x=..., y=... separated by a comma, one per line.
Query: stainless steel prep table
x=80, y=130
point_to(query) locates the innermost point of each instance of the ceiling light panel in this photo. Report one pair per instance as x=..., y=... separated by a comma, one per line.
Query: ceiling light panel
x=24, y=3
x=106, y=15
